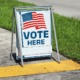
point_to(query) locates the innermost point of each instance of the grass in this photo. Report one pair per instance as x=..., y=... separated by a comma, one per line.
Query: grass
x=68, y=29
x=6, y=11
x=68, y=33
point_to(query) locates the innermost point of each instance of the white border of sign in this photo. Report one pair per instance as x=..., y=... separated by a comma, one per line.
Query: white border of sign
x=20, y=50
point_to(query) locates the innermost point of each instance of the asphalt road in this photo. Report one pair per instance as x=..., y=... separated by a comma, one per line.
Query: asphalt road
x=69, y=8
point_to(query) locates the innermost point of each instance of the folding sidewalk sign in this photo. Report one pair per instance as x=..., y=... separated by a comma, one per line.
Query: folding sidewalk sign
x=34, y=32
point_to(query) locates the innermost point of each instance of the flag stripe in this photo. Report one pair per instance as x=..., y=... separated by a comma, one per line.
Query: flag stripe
x=37, y=21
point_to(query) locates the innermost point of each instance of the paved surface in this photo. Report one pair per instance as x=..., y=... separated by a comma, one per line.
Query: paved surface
x=38, y=68
x=5, y=39
x=70, y=8
x=71, y=75
x=5, y=46
x=5, y=49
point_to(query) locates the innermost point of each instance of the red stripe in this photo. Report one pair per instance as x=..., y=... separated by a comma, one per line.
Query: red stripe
x=37, y=21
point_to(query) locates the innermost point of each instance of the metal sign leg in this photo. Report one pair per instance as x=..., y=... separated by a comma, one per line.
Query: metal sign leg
x=54, y=28
x=20, y=43
x=22, y=61
x=11, y=46
x=12, y=37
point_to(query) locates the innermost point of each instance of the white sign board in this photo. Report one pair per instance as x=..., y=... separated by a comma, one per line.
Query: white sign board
x=34, y=29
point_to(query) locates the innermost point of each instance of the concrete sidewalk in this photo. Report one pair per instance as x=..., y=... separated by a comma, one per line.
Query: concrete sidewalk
x=69, y=8
x=5, y=43
x=5, y=49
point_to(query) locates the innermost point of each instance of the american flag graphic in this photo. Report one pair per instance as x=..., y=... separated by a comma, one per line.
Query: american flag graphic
x=33, y=19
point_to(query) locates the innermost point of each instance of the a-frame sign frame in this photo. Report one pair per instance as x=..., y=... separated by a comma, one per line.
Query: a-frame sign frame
x=34, y=26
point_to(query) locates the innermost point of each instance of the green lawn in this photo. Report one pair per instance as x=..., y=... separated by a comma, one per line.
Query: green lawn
x=68, y=33
x=68, y=29
x=6, y=11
